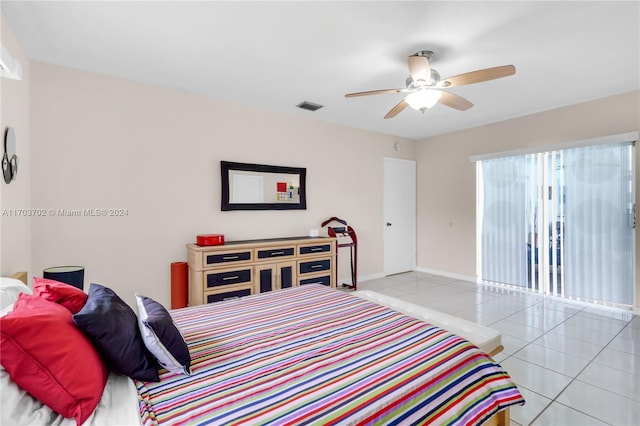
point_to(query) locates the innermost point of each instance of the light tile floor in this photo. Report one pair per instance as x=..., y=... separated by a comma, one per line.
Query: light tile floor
x=575, y=364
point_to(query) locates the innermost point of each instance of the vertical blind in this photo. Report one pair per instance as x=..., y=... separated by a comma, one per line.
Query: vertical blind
x=560, y=222
x=504, y=216
x=599, y=219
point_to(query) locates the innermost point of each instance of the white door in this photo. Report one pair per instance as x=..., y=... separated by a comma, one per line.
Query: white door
x=399, y=222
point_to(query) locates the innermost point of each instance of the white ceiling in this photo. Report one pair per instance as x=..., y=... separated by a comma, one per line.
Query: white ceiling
x=276, y=54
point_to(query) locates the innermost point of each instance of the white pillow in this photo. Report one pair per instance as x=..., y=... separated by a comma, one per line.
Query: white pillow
x=162, y=337
x=10, y=288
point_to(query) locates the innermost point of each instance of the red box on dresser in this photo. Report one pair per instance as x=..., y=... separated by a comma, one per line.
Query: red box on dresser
x=210, y=240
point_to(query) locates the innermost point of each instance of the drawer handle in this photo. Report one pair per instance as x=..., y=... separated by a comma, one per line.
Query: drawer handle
x=316, y=249
x=235, y=277
x=231, y=298
x=230, y=257
x=276, y=252
x=316, y=266
x=317, y=282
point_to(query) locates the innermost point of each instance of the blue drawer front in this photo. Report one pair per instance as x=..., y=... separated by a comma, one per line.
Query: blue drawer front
x=315, y=266
x=267, y=254
x=286, y=274
x=228, y=295
x=266, y=283
x=315, y=249
x=326, y=280
x=233, y=277
x=229, y=257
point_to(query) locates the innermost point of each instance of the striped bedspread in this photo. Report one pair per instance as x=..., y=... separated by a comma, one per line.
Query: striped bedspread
x=315, y=355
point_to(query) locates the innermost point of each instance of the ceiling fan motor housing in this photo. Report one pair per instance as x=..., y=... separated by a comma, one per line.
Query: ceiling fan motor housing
x=433, y=80
x=426, y=53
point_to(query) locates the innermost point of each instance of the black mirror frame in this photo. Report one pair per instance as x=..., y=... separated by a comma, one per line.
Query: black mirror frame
x=226, y=166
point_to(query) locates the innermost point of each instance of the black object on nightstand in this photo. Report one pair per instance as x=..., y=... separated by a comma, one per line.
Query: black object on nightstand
x=72, y=275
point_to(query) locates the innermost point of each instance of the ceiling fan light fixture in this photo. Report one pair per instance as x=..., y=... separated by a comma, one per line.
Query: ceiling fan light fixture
x=423, y=82
x=423, y=99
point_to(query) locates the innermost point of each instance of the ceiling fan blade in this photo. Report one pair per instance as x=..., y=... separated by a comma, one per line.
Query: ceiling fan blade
x=479, y=76
x=373, y=92
x=397, y=109
x=419, y=68
x=455, y=101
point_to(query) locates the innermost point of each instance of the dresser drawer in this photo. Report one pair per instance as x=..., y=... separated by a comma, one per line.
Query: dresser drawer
x=227, y=257
x=240, y=268
x=227, y=295
x=324, y=280
x=315, y=249
x=312, y=266
x=275, y=253
x=228, y=277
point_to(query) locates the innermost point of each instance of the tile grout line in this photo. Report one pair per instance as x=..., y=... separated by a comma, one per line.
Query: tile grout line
x=531, y=343
x=573, y=379
x=540, y=303
x=552, y=400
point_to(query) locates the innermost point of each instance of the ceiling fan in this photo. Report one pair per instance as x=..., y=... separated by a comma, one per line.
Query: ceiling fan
x=424, y=82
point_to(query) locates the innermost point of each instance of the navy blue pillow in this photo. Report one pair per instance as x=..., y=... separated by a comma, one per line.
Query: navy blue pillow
x=162, y=337
x=112, y=327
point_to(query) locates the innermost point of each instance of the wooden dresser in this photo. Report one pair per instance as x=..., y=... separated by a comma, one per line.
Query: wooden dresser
x=241, y=268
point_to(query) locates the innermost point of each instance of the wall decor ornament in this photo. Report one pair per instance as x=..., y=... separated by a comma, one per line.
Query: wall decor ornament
x=9, y=157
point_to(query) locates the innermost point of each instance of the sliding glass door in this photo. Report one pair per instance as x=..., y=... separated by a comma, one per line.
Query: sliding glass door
x=560, y=222
x=599, y=219
x=504, y=220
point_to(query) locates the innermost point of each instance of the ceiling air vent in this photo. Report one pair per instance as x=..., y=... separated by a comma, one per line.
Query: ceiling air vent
x=309, y=106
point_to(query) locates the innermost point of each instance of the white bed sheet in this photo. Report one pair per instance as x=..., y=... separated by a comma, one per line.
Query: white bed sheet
x=118, y=406
x=485, y=338
x=10, y=288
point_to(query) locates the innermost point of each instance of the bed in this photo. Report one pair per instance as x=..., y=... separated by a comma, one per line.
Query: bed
x=309, y=355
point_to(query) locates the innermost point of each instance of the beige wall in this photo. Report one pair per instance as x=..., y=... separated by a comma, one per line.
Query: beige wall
x=15, y=231
x=447, y=183
x=102, y=142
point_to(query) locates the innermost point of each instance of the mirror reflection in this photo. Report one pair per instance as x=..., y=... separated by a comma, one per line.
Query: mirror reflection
x=258, y=187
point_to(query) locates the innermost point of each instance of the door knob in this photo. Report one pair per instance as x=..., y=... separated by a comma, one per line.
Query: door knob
x=388, y=223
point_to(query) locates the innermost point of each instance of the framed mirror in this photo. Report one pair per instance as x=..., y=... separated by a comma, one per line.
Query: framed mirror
x=247, y=186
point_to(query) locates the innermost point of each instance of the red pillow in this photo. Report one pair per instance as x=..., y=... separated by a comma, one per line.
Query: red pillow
x=49, y=357
x=66, y=295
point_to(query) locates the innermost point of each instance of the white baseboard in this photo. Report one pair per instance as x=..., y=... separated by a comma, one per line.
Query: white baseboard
x=371, y=277
x=379, y=275
x=634, y=309
x=448, y=274
x=361, y=278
